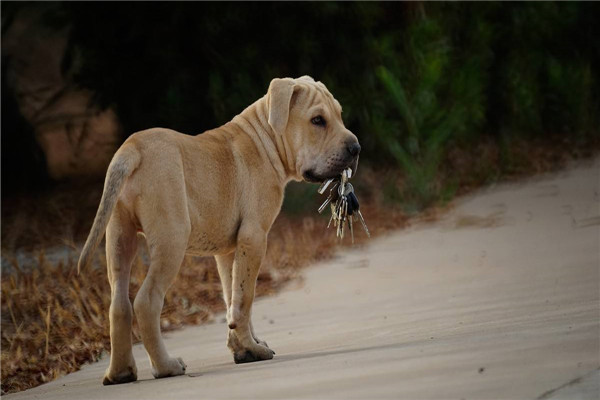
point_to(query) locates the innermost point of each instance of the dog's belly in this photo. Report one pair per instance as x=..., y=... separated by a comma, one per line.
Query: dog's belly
x=205, y=243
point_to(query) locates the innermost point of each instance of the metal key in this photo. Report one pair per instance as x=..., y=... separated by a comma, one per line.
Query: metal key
x=332, y=215
x=337, y=208
x=351, y=228
x=339, y=218
x=362, y=221
x=324, y=185
x=350, y=207
x=331, y=196
x=343, y=189
x=346, y=216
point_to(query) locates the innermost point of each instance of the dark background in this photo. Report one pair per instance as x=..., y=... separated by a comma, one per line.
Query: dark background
x=415, y=79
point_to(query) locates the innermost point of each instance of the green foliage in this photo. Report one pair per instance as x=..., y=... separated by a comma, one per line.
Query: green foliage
x=569, y=97
x=440, y=97
x=546, y=79
x=301, y=198
x=412, y=77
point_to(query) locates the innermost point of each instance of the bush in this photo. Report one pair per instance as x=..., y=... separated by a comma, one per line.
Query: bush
x=413, y=78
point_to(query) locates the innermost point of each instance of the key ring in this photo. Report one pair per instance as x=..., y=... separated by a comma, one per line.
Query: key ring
x=346, y=208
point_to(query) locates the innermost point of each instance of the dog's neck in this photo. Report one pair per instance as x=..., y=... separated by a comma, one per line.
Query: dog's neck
x=254, y=121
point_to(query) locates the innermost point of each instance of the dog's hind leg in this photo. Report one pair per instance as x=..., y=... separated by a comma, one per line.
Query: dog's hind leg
x=121, y=248
x=166, y=257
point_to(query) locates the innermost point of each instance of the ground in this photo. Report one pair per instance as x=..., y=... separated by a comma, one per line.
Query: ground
x=497, y=299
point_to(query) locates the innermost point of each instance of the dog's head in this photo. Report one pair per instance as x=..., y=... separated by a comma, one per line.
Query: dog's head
x=305, y=116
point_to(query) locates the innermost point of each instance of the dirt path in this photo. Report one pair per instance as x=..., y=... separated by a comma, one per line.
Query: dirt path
x=500, y=299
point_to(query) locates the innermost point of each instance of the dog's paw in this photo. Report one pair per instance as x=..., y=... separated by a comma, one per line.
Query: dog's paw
x=252, y=354
x=125, y=376
x=262, y=343
x=174, y=367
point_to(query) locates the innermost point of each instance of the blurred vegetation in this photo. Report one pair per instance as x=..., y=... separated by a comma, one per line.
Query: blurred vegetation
x=414, y=78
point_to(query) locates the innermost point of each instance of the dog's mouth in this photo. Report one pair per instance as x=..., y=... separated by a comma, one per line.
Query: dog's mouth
x=312, y=177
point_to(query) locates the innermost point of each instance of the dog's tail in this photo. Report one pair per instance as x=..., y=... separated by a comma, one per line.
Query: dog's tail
x=124, y=162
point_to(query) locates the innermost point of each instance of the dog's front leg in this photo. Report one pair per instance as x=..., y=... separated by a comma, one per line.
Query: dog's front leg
x=250, y=251
x=225, y=268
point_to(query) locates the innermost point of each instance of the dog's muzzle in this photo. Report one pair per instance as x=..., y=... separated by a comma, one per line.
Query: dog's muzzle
x=311, y=176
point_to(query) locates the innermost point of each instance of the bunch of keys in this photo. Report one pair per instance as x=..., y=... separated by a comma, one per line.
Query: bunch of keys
x=343, y=203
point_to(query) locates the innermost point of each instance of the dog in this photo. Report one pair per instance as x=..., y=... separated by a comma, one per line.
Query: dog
x=217, y=194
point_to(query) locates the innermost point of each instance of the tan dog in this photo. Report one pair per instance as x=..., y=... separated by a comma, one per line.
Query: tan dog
x=213, y=194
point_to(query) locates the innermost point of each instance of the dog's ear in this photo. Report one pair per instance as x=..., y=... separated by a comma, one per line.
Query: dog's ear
x=279, y=99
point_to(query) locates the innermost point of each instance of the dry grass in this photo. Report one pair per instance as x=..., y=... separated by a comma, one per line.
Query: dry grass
x=54, y=321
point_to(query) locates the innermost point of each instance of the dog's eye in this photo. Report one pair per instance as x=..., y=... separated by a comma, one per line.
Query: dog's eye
x=320, y=121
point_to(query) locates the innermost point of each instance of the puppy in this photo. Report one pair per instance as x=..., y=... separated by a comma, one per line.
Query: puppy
x=218, y=194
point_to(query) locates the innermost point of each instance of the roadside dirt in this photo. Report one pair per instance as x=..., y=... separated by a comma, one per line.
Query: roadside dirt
x=498, y=299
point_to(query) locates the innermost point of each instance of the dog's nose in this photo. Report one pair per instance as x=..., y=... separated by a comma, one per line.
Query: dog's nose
x=353, y=148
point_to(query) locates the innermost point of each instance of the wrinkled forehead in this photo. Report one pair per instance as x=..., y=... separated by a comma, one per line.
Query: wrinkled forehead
x=315, y=95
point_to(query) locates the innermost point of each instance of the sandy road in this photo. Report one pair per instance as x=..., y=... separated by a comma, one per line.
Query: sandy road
x=499, y=299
